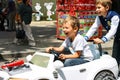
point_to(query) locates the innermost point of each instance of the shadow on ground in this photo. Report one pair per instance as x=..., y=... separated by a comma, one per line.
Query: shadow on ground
x=44, y=37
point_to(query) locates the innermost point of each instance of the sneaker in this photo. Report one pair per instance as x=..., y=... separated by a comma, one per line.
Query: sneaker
x=15, y=40
x=32, y=43
x=19, y=42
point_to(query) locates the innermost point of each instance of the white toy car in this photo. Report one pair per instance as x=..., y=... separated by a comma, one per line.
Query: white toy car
x=40, y=66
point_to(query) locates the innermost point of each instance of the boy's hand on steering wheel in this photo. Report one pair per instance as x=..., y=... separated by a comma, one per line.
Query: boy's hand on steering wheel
x=62, y=56
x=48, y=49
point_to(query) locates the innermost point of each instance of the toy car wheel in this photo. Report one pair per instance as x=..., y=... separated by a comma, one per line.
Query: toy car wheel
x=105, y=75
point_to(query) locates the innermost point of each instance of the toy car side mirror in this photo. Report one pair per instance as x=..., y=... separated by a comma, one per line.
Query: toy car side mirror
x=28, y=58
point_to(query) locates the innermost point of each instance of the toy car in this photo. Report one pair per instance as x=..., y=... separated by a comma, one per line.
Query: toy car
x=41, y=66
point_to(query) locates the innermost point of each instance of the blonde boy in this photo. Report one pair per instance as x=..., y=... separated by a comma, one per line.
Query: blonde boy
x=110, y=20
x=80, y=52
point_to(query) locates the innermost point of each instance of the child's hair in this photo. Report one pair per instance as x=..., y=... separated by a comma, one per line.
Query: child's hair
x=74, y=21
x=104, y=3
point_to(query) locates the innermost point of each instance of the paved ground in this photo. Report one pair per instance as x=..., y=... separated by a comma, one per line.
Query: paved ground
x=45, y=35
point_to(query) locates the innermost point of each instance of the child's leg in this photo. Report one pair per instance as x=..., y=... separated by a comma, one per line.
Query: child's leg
x=29, y=34
x=72, y=62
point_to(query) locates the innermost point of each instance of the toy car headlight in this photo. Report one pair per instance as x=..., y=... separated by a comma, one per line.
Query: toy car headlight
x=29, y=57
x=55, y=74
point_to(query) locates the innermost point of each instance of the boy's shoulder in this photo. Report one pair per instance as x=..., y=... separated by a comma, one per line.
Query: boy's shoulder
x=111, y=14
x=80, y=37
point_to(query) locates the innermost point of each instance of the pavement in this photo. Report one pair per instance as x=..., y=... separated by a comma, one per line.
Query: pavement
x=44, y=33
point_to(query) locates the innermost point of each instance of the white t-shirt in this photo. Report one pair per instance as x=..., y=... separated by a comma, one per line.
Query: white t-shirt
x=79, y=44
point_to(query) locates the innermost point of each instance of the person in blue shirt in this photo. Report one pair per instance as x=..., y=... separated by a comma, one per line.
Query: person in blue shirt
x=110, y=20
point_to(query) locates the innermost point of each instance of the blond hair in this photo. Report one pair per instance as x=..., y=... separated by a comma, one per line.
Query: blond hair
x=105, y=3
x=74, y=21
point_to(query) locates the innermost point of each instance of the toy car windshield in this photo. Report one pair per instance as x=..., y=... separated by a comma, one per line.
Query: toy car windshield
x=40, y=60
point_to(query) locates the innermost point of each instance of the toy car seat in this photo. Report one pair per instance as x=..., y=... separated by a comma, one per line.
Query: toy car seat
x=95, y=51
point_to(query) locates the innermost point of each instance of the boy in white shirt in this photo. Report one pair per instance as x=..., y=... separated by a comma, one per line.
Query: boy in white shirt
x=80, y=51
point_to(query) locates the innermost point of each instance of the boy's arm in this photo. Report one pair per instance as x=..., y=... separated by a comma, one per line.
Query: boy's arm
x=92, y=29
x=57, y=49
x=114, y=25
x=75, y=55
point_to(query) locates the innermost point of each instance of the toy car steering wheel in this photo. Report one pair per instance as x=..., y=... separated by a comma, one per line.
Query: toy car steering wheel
x=56, y=54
